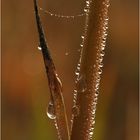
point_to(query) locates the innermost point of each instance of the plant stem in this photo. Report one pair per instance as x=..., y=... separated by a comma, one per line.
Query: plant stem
x=90, y=70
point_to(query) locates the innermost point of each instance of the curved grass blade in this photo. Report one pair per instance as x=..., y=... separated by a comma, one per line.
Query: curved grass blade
x=55, y=86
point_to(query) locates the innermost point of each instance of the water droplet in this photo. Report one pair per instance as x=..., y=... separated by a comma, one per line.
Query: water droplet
x=97, y=85
x=91, y=133
x=100, y=59
x=97, y=93
x=102, y=53
x=100, y=71
x=77, y=72
x=95, y=100
x=101, y=65
x=51, y=111
x=75, y=90
x=81, y=84
x=66, y=53
x=103, y=47
x=39, y=48
x=108, y=4
x=87, y=5
x=75, y=110
x=81, y=45
x=87, y=2
x=82, y=37
x=86, y=9
x=78, y=64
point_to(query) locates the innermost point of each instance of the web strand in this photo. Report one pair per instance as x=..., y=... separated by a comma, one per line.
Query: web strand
x=60, y=15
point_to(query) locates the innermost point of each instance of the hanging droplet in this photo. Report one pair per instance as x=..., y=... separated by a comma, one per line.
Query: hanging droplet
x=75, y=110
x=39, y=48
x=81, y=84
x=51, y=111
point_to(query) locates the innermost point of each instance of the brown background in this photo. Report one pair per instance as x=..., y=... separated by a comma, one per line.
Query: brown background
x=25, y=93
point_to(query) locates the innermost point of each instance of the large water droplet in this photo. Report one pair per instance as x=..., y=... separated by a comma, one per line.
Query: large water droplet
x=51, y=111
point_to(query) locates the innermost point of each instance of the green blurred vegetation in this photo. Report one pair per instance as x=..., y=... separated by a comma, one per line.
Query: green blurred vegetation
x=25, y=92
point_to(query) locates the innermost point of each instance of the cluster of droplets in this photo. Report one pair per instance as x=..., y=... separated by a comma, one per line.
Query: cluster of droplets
x=62, y=16
x=92, y=110
x=102, y=33
x=56, y=126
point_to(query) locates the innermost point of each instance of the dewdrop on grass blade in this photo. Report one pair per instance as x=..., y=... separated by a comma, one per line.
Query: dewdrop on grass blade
x=39, y=48
x=51, y=111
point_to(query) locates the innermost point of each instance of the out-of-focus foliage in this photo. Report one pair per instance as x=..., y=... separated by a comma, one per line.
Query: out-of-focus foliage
x=25, y=92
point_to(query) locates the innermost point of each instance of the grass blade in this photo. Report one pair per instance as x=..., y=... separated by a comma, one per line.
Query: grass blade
x=57, y=101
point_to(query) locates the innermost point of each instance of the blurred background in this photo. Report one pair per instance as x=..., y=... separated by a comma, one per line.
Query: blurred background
x=25, y=93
